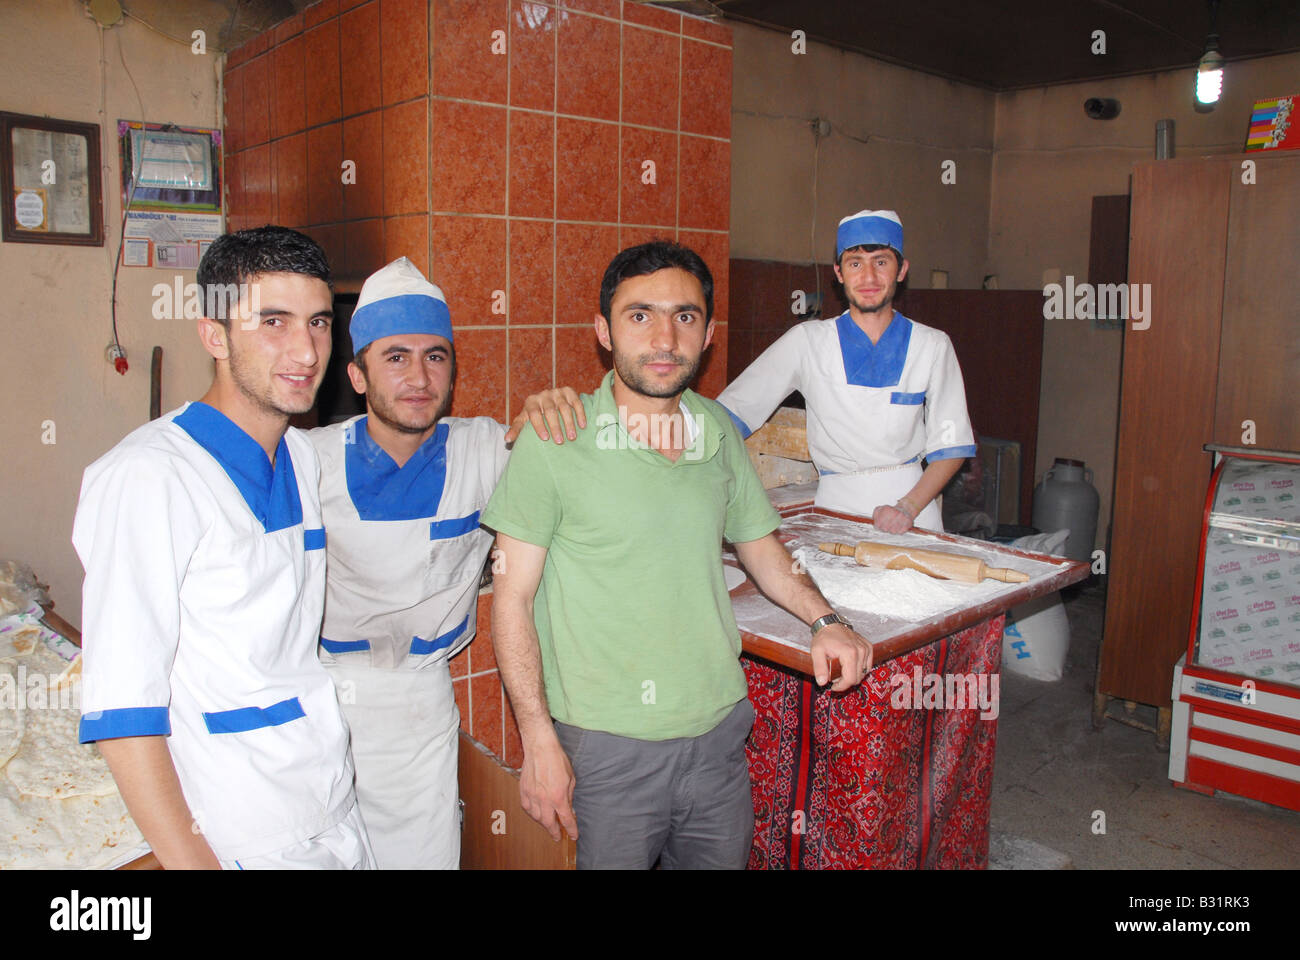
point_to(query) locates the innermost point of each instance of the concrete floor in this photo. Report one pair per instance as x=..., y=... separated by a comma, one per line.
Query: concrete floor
x=1053, y=770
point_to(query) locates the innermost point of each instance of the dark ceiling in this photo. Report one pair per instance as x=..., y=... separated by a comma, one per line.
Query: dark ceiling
x=1005, y=44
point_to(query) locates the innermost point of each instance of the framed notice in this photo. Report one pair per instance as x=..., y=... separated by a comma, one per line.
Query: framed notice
x=170, y=168
x=49, y=175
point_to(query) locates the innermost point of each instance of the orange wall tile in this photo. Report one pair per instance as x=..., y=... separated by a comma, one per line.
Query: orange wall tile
x=480, y=373
x=363, y=145
x=323, y=83
x=404, y=49
x=289, y=103
x=465, y=64
x=649, y=193
x=325, y=174
x=291, y=179
x=532, y=164
x=469, y=263
x=467, y=159
x=406, y=158
x=360, y=58
x=533, y=28
x=319, y=12
x=532, y=277
x=587, y=78
x=257, y=101
x=486, y=711
x=651, y=69
x=586, y=171
x=363, y=242
x=530, y=364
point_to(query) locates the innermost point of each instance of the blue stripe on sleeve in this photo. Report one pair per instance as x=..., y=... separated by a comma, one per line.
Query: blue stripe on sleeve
x=124, y=722
x=908, y=399
x=741, y=425
x=951, y=453
x=420, y=647
x=314, y=539
x=244, y=719
x=455, y=527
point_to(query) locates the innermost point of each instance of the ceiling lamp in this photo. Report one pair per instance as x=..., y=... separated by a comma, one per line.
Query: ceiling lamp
x=1209, y=72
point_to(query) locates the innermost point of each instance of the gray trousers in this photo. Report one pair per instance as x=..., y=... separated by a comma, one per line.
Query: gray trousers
x=683, y=802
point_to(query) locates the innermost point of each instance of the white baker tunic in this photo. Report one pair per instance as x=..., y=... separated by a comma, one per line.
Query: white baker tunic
x=205, y=579
x=405, y=554
x=874, y=410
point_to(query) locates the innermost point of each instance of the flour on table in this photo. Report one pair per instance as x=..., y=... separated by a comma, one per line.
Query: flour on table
x=907, y=595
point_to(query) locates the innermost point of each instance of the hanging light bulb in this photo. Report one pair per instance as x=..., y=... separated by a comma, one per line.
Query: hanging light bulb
x=1209, y=75
x=1209, y=72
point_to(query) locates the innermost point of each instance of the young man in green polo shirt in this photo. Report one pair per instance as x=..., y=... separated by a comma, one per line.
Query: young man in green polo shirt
x=623, y=668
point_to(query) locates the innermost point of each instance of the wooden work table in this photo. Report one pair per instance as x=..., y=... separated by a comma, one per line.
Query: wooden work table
x=867, y=779
x=774, y=635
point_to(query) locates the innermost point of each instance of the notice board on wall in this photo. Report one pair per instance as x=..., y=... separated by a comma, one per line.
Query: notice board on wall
x=171, y=190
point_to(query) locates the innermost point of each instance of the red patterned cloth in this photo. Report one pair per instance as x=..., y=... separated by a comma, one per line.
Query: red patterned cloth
x=852, y=782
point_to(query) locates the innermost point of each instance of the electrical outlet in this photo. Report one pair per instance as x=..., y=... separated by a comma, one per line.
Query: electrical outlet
x=116, y=355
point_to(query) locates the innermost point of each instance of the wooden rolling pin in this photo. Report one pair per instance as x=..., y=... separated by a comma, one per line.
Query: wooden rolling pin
x=934, y=563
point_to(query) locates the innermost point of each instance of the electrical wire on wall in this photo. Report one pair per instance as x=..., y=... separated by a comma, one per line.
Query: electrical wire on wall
x=117, y=353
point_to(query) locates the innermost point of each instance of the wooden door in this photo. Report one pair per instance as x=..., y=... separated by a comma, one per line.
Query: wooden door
x=1178, y=245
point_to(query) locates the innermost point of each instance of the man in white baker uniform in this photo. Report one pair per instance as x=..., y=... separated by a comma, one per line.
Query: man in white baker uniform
x=883, y=392
x=203, y=545
x=401, y=491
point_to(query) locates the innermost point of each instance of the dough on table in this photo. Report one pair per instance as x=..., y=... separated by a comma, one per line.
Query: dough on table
x=11, y=718
x=59, y=806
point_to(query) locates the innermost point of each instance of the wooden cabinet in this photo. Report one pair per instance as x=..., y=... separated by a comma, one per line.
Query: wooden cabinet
x=1223, y=346
x=1259, y=347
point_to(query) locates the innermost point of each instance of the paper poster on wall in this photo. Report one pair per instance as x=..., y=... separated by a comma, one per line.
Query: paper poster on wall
x=167, y=160
x=156, y=232
x=135, y=252
x=171, y=188
x=169, y=167
x=173, y=227
x=180, y=256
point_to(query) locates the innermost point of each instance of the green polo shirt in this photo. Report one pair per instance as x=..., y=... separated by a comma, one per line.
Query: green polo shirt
x=636, y=629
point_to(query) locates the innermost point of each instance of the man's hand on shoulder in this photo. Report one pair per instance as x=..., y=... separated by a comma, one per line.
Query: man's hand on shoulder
x=546, y=410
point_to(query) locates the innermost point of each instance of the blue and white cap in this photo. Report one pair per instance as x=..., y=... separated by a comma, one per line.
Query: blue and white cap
x=869, y=227
x=398, y=299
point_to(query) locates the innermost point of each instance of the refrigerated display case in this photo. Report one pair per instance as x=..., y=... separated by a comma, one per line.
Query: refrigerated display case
x=1236, y=690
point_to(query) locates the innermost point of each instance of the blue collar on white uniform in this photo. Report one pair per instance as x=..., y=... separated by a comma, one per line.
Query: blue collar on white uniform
x=874, y=365
x=381, y=490
x=270, y=492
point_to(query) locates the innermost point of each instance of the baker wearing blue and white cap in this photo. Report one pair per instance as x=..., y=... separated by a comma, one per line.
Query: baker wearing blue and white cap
x=883, y=392
x=401, y=490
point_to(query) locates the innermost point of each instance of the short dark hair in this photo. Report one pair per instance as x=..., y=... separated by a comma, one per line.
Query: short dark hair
x=871, y=248
x=652, y=257
x=236, y=258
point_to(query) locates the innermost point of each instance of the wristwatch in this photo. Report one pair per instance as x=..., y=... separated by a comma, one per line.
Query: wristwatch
x=827, y=620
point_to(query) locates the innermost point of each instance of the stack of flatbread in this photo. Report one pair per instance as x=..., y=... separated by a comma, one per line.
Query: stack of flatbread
x=59, y=806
